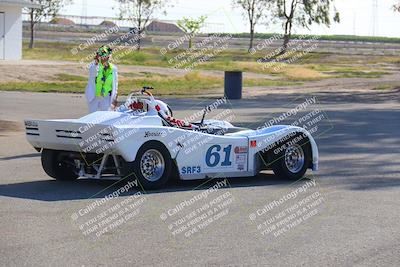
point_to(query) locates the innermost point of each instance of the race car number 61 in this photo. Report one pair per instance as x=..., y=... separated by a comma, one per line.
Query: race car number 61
x=213, y=156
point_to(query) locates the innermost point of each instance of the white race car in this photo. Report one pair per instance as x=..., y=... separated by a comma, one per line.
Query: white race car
x=141, y=140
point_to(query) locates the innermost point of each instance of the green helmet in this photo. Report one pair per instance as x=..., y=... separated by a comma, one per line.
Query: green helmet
x=104, y=51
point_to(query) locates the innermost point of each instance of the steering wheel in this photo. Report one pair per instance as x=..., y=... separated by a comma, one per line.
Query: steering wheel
x=145, y=90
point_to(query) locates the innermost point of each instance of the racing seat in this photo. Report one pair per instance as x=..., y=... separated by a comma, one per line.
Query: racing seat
x=164, y=112
x=179, y=123
x=136, y=106
x=172, y=121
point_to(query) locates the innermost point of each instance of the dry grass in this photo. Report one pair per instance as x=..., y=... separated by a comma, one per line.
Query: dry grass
x=387, y=87
x=193, y=83
x=302, y=73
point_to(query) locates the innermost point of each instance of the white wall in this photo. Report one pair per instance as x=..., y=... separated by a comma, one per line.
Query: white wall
x=13, y=30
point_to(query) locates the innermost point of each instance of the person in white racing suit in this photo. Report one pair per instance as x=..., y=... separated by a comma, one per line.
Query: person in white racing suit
x=102, y=88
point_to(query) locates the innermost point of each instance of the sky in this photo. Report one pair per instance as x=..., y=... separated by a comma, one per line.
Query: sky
x=356, y=16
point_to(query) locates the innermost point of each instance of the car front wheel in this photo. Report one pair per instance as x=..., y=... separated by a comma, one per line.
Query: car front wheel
x=152, y=166
x=293, y=159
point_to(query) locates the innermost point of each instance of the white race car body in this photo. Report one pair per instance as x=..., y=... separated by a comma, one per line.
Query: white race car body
x=197, y=154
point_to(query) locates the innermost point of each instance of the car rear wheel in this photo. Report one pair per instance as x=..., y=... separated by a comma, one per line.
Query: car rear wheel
x=152, y=166
x=293, y=158
x=57, y=166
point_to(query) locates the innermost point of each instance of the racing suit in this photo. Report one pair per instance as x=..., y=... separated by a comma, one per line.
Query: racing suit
x=100, y=102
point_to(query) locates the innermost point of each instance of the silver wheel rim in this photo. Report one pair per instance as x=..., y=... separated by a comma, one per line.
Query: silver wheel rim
x=294, y=158
x=152, y=165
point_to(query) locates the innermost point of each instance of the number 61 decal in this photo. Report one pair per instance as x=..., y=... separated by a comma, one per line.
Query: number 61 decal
x=213, y=156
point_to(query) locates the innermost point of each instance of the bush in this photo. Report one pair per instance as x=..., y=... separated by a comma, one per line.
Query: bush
x=61, y=21
x=108, y=24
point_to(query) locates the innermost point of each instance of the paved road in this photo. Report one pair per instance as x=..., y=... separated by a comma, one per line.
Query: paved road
x=351, y=218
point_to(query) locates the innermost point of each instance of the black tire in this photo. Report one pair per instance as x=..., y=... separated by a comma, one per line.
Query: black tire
x=55, y=167
x=133, y=170
x=301, y=145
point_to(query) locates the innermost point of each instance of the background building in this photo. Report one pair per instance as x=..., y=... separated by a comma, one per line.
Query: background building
x=11, y=27
x=159, y=26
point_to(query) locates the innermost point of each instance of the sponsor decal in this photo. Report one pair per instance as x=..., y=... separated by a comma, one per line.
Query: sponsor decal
x=253, y=143
x=240, y=149
x=241, y=162
x=154, y=134
x=31, y=123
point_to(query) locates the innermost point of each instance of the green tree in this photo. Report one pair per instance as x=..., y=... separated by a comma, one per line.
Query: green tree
x=49, y=8
x=140, y=12
x=254, y=11
x=303, y=13
x=191, y=26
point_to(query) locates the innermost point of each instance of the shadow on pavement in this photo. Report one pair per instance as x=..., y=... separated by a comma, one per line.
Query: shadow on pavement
x=373, y=184
x=278, y=100
x=51, y=190
x=24, y=156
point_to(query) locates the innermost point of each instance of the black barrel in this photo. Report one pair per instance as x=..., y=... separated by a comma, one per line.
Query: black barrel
x=233, y=84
